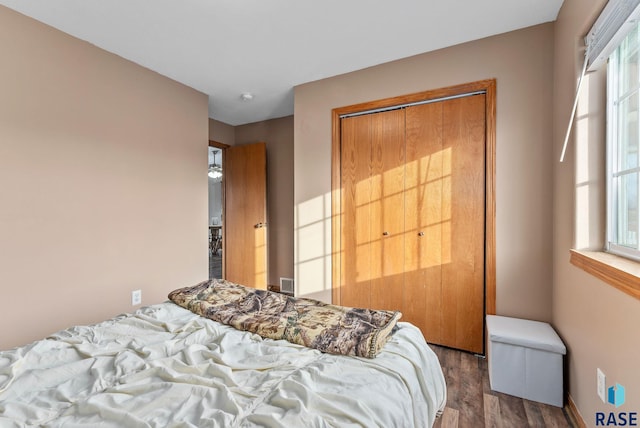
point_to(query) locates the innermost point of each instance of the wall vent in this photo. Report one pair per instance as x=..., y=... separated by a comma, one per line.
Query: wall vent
x=286, y=285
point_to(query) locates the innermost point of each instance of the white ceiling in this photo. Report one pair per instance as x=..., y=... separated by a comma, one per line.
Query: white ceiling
x=226, y=47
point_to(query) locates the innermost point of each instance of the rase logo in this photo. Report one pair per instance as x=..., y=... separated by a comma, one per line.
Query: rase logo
x=616, y=397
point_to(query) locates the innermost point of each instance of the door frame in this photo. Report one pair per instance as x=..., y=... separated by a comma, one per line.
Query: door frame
x=489, y=86
x=223, y=147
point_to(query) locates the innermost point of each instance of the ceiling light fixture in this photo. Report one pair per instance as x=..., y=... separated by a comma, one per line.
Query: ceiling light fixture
x=215, y=170
x=246, y=96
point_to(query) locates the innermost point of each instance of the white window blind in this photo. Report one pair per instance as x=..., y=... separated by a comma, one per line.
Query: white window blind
x=610, y=28
x=613, y=24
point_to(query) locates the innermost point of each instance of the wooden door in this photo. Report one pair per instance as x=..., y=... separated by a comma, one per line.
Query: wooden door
x=373, y=186
x=425, y=177
x=356, y=200
x=463, y=240
x=413, y=219
x=445, y=219
x=245, y=225
x=387, y=209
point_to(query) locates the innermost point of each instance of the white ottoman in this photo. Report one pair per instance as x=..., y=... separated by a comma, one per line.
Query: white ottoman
x=525, y=359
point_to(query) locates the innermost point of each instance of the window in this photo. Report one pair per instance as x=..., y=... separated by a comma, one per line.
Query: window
x=623, y=137
x=613, y=41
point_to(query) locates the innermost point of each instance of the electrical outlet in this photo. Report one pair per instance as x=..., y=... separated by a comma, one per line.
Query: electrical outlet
x=136, y=297
x=602, y=382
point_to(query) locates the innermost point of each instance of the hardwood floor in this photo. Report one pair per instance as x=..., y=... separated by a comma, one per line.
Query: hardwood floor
x=471, y=403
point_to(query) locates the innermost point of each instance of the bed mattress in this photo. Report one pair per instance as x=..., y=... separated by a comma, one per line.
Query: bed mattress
x=164, y=366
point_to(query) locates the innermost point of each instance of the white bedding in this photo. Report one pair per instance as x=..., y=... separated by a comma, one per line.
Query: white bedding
x=167, y=367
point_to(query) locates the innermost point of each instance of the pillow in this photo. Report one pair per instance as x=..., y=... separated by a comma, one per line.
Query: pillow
x=328, y=328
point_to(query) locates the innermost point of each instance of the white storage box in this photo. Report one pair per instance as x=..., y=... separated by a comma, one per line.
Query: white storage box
x=525, y=359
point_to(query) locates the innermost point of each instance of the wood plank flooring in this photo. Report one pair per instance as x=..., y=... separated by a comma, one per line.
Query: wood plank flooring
x=471, y=403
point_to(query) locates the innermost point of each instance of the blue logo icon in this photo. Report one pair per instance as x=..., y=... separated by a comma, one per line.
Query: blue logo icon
x=616, y=395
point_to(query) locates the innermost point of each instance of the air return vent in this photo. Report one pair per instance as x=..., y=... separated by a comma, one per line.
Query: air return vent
x=286, y=285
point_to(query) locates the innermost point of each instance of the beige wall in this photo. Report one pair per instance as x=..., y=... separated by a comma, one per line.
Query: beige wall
x=278, y=135
x=221, y=132
x=597, y=322
x=521, y=61
x=102, y=167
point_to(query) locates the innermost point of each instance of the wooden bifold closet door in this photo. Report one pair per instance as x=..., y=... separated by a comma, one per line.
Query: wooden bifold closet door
x=413, y=216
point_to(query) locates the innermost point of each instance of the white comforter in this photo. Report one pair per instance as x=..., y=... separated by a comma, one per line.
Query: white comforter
x=167, y=367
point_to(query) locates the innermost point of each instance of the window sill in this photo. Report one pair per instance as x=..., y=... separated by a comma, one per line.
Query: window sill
x=624, y=274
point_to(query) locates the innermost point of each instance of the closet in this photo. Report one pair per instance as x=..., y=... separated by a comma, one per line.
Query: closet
x=412, y=223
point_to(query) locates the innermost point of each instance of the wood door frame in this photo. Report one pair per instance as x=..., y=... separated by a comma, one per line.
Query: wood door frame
x=223, y=147
x=489, y=86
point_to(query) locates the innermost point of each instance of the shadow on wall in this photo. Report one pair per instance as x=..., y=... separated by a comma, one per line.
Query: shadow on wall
x=590, y=176
x=313, y=248
x=432, y=179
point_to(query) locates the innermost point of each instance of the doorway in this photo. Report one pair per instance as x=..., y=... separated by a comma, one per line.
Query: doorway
x=215, y=174
x=238, y=213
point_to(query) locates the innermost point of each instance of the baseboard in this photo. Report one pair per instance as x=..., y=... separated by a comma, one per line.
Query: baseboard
x=574, y=414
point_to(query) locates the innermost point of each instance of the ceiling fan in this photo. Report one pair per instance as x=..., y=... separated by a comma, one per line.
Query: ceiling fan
x=215, y=170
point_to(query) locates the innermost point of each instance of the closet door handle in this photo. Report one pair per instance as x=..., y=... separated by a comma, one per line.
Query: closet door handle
x=385, y=233
x=420, y=233
x=259, y=225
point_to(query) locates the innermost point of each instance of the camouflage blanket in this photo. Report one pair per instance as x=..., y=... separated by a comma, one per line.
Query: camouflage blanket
x=311, y=323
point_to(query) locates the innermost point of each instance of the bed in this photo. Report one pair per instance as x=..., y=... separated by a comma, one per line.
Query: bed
x=167, y=366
